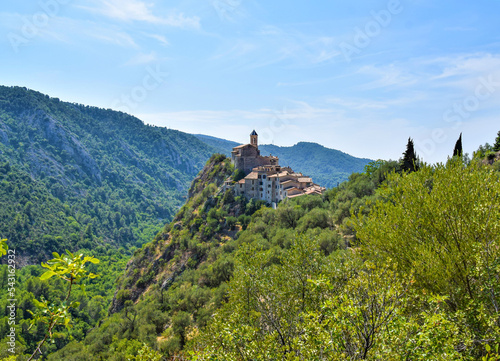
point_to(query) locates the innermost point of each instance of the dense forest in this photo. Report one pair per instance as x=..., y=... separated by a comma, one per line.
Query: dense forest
x=75, y=176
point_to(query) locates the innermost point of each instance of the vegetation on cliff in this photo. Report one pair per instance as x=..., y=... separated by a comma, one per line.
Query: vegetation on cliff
x=75, y=176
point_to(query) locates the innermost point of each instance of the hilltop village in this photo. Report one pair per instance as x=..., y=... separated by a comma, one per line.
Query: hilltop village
x=264, y=178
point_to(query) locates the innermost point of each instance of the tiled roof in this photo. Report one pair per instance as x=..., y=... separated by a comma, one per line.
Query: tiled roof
x=242, y=146
x=252, y=175
x=305, y=179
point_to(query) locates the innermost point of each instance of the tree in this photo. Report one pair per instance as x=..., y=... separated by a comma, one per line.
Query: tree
x=496, y=146
x=409, y=162
x=458, y=150
x=443, y=224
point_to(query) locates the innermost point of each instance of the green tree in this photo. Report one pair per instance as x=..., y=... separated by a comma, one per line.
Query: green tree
x=443, y=224
x=496, y=146
x=410, y=161
x=458, y=150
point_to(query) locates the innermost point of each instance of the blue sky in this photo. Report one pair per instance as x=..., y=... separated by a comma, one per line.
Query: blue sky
x=359, y=76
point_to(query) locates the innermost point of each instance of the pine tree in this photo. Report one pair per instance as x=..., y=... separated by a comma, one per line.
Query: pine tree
x=409, y=162
x=496, y=146
x=458, y=151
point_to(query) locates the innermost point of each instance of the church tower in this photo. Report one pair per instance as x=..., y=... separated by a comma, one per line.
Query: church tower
x=253, y=139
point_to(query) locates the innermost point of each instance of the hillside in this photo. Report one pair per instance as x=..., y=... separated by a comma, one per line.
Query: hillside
x=75, y=176
x=173, y=285
x=328, y=167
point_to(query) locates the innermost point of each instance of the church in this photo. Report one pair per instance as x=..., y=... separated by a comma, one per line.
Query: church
x=265, y=179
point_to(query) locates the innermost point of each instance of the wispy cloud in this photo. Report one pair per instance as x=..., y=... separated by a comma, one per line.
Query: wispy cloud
x=67, y=30
x=161, y=39
x=143, y=59
x=136, y=10
x=386, y=76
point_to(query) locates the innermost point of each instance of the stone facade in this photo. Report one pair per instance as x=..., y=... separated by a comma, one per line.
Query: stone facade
x=247, y=156
x=265, y=179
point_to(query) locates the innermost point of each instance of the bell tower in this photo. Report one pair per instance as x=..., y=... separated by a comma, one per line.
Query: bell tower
x=253, y=139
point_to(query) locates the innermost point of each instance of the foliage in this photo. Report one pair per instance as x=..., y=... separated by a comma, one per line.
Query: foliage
x=75, y=176
x=458, y=150
x=3, y=247
x=410, y=162
x=496, y=146
x=147, y=354
x=442, y=223
x=69, y=268
x=422, y=283
x=94, y=302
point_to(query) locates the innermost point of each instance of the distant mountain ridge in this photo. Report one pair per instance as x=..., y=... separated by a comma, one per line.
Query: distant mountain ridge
x=326, y=166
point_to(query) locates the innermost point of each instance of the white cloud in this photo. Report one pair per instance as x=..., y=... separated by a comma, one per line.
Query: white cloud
x=142, y=59
x=386, y=76
x=68, y=30
x=468, y=65
x=136, y=10
x=161, y=39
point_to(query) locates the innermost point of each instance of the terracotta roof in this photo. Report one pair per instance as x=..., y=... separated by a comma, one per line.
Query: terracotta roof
x=242, y=146
x=252, y=175
x=305, y=179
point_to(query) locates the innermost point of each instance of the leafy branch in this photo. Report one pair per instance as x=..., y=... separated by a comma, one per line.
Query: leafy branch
x=69, y=268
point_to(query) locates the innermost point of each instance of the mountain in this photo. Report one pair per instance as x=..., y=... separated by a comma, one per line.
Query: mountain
x=74, y=176
x=223, y=146
x=328, y=167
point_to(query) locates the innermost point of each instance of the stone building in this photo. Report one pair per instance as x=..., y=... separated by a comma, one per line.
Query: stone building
x=247, y=156
x=265, y=179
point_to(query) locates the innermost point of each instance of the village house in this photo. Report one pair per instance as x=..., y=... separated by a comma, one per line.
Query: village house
x=265, y=179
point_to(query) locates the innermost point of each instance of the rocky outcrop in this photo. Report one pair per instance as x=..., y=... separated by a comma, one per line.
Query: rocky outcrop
x=75, y=153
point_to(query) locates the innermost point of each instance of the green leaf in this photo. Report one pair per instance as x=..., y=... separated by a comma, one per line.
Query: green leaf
x=47, y=275
x=3, y=247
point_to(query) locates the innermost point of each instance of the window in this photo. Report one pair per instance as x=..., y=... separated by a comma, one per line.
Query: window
x=264, y=176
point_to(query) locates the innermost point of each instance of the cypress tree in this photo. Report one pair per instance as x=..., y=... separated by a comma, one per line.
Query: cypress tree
x=409, y=162
x=458, y=151
x=496, y=146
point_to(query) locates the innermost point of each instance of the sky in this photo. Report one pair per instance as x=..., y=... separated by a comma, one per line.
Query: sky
x=358, y=76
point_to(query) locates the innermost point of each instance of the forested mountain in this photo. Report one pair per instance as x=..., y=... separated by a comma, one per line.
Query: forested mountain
x=173, y=285
x=328, y=167
x=74, y=176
